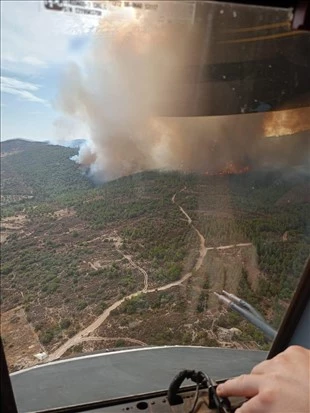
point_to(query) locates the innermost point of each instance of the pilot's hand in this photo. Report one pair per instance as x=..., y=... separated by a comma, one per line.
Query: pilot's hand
x=279, y=385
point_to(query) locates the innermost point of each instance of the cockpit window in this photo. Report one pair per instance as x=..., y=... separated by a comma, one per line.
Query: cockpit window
x=154, y=175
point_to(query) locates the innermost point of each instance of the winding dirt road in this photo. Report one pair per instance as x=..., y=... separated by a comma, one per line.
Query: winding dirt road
x=84, y=334
x=145, y=274
x=79, y=337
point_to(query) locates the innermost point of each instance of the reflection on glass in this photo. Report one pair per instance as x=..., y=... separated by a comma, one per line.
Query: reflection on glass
x=166, y=179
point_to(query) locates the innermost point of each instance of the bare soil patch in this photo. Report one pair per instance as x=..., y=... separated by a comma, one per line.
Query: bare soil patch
x=21, y=342
x=10, y=225
x=65, y=213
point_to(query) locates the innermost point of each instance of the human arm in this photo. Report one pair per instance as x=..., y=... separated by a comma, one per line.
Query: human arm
x=279, y=385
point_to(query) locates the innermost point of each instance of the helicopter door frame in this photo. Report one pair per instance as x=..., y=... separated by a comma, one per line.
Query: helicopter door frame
x=294, y=328
x=8, y=403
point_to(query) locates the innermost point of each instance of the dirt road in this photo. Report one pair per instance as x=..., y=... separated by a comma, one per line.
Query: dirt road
x=84, y=334
x=145, y=274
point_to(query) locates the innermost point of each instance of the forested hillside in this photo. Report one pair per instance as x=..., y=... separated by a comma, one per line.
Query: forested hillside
x=37, y=170
x=151, y=246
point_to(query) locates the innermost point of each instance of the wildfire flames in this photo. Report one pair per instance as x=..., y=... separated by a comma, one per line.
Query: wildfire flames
x=230, y=169
x=116, y=92
x=286, y=122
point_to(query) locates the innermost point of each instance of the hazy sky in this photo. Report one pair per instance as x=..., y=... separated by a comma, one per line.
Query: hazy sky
x=36, y=45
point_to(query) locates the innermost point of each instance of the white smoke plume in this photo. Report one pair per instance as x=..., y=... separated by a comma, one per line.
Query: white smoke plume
x=117, y=93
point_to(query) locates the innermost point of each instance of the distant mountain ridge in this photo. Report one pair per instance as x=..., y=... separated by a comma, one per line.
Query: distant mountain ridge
x=17, y=145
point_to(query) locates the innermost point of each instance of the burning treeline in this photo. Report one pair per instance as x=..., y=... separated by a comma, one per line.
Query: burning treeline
x=118, y=90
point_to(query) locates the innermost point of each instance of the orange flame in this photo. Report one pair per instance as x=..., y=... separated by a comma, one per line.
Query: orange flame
x=286, y=122
x=230, y=169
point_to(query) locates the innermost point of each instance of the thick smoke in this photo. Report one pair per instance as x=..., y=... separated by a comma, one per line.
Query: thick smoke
x=117, y=93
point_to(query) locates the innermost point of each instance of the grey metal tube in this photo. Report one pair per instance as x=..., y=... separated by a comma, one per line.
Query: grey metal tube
x=269, y=332
x=257, y=322
x=244, y=304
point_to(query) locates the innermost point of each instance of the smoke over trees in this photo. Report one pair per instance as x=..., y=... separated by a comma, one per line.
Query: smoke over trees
x=118, y=91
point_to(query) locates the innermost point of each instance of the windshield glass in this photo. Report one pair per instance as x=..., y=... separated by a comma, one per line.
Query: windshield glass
x=153, y=155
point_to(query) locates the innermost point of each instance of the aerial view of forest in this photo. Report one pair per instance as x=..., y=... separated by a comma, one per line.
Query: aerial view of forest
x=88, y=266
